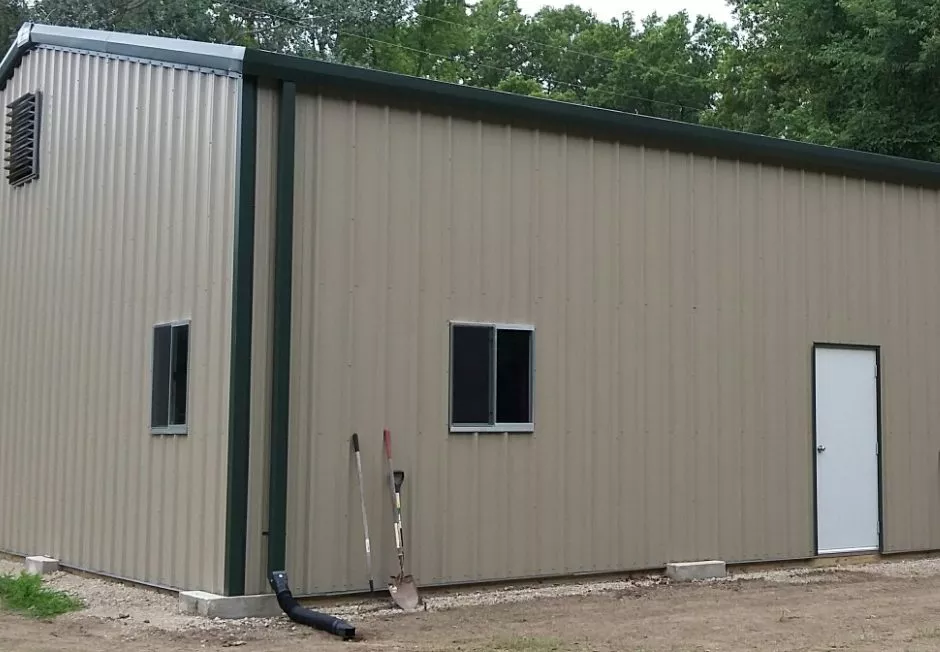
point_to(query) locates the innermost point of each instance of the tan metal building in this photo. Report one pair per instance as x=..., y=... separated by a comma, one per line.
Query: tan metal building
x=601, y=342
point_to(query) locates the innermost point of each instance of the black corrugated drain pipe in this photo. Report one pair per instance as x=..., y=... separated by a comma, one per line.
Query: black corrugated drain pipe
x=280, y=389
x=304, y=616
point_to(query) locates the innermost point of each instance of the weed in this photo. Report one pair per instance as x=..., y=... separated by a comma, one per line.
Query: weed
x=933, y=632
x=25, y=594
x=526, y=644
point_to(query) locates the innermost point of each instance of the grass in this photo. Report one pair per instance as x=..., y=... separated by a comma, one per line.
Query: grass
x=26, y=595
x=933, y=632
x=527, y=644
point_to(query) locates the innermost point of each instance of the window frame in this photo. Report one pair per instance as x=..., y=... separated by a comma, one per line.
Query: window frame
x=495, y=427
x=171, y=429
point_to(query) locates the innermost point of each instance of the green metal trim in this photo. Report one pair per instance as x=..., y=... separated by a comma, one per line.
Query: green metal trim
x=501, y=107
x=280, y=380
x=481, y=104
x=236, y=522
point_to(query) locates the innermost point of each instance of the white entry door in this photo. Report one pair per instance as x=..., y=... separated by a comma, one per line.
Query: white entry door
x=846, y=450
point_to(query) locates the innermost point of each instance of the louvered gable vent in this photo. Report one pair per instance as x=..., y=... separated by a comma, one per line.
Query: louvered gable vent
x=21, y=146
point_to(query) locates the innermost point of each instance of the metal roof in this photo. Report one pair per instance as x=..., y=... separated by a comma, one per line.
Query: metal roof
x=208, y=56
x=497, y=106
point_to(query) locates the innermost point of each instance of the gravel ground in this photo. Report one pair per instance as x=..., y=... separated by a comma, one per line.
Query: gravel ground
x=146, y=609
x=136, y=609
x=136, y=614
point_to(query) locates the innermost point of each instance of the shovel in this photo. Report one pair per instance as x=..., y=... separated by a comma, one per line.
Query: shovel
x=402, y=587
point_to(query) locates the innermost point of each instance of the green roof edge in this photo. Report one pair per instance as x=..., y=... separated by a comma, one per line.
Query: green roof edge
x=483, y=104
x=605, y=124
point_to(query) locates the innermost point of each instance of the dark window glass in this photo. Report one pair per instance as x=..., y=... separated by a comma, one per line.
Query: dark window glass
x=160, y=401
x=178, y=387
x=170, y=376
x=471, y=375
x=513, y=376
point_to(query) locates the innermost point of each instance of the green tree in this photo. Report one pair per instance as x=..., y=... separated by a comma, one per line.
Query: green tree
x=362, y=32
x=667, y=69
x=853, y=73
x=563, y=49
x=441, y=28
x=13, y=13
x=269, y=24
x=498, y=55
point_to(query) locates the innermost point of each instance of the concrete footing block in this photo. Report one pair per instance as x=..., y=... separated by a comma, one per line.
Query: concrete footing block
x=40, y=565
x=210, y=605
x=696, y=570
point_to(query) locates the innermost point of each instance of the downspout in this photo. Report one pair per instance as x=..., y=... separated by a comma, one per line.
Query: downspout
x=236, y=522
x=280, y=380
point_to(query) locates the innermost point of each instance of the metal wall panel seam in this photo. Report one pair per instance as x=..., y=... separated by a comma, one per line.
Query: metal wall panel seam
x=236, y=527
x=281, y=331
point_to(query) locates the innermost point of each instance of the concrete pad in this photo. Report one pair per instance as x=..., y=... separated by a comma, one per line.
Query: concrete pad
x=696, y=570
x=40, y=565
x=210, y=605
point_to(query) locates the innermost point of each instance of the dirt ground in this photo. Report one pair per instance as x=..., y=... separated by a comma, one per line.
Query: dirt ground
x=883, y=606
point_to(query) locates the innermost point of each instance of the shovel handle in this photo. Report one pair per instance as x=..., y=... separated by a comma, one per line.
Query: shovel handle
x=394, y=487
x=362, y=502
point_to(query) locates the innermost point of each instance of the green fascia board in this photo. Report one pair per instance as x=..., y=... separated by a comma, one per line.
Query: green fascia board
x=603, y=124
x=483, y=104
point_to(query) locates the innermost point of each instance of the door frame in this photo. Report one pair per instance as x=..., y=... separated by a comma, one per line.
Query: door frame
x=879, y=444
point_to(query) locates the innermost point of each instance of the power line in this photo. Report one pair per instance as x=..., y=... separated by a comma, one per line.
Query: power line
x=567, y=50
x=555, y=82
x=559, y=48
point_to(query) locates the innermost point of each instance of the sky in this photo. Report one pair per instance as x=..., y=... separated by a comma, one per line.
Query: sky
x=606, y=9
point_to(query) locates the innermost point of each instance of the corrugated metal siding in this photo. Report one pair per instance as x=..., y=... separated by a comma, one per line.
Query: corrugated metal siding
x=129, y=224
x=261, y=351
x=676, y=300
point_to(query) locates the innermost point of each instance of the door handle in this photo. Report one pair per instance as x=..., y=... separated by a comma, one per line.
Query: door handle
x=820, y=449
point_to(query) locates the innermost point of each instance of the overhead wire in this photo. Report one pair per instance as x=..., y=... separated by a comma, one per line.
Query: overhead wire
x=580, y=53
x=536, y=78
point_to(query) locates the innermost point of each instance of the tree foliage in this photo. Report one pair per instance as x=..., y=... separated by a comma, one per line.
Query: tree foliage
x=854, y=73
x=268, y=24
x=12, y=15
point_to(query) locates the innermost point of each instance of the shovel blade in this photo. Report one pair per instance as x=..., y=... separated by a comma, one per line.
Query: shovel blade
x=404, y=592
